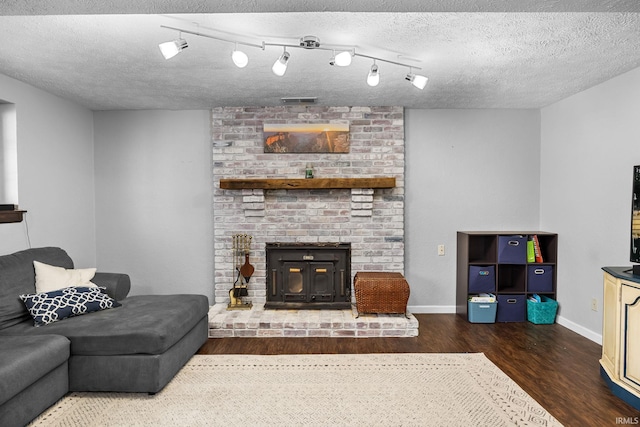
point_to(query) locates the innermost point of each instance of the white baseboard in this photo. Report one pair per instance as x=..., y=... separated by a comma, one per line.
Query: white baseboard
x=432, y=309
x=587, y=333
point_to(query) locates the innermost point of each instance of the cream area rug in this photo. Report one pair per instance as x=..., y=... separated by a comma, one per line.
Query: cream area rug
x=316, y=390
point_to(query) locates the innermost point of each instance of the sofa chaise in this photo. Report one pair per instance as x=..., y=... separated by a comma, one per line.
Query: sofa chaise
x=137, y=346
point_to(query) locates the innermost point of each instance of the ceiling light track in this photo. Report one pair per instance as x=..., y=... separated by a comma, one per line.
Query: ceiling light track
x=209, y=36
x=342, y=58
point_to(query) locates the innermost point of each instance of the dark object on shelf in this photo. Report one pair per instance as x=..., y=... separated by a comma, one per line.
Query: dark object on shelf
x=8, y=207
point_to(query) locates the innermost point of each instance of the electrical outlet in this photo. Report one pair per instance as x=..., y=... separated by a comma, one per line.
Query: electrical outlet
x=440, y=250
x=594, y=304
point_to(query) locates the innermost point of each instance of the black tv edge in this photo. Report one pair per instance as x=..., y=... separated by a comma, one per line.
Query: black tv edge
x=634, y=253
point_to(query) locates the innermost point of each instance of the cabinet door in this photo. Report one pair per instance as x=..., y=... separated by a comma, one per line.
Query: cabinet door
x=630, y=357
x=611, y=326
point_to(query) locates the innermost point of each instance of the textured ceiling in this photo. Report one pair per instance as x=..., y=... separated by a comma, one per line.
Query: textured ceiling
x=492, y=54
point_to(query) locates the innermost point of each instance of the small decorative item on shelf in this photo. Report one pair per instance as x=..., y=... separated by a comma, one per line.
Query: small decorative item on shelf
x=308, y=173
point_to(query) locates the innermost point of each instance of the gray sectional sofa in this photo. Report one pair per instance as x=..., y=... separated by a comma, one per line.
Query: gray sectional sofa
x=136, y=347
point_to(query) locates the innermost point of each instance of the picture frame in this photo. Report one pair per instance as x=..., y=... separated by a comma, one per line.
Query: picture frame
x=306, y=138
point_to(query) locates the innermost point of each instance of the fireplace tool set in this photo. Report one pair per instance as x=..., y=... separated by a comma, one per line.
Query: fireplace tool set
x=243, y=270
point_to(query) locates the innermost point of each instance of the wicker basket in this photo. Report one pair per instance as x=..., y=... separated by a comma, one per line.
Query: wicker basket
x=380, y=292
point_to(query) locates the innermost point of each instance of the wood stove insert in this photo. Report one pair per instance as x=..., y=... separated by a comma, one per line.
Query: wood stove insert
x=308, y=276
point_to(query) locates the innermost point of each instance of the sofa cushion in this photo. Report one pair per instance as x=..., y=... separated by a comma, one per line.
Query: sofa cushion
x=26, y=359
x=53, y=306
x=51, y=277
x=17, y=277
x=144, y=324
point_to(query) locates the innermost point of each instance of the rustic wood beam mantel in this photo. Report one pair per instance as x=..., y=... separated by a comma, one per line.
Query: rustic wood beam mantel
x=305, y=184
x=11, y=216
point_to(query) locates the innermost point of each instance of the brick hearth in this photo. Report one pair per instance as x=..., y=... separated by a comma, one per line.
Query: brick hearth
x=259, y=322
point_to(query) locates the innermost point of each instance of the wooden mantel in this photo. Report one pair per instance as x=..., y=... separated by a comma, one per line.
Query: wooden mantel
x=305, y=184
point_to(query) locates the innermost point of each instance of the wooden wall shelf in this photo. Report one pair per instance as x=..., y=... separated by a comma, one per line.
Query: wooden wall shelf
x=11, y=216
x=306, y=184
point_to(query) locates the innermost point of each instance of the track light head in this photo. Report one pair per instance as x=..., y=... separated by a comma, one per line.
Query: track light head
x=172, y=48
x=280, y=66
x=417, y=80
x=239, y=58
x=343, y=59
x=374, y=76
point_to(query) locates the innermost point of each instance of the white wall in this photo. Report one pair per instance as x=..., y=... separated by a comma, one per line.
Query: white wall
x=589, y=144
x=55, y=174
x=153, y=199
x=466, y=170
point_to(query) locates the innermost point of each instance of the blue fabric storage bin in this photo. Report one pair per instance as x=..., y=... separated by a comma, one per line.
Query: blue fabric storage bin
x=511, y=308
x=482, y=279
x=481, y=312
x=540, y=278
x=512, y=249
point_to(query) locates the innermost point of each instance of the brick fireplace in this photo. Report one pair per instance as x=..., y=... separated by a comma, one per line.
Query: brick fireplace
x=370, y=220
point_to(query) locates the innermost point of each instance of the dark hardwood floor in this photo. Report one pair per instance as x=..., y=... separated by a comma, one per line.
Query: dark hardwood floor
x=556, y=366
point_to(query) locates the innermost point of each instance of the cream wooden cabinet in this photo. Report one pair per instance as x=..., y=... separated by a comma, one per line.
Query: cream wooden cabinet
x=620, y=362
x=611, y=326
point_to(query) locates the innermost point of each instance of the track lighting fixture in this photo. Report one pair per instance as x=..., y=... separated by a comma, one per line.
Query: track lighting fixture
x=172, y=48
x=374, y=76
x=280, y=66
x=239, y=58
x=417, y=80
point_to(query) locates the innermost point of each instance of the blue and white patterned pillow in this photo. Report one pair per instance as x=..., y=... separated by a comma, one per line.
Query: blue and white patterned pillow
x=52, y=306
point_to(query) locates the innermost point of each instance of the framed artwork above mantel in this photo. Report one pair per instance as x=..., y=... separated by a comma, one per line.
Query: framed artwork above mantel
x=306, y=138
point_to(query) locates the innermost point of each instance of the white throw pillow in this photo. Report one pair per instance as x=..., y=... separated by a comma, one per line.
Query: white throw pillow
x=51, y=278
